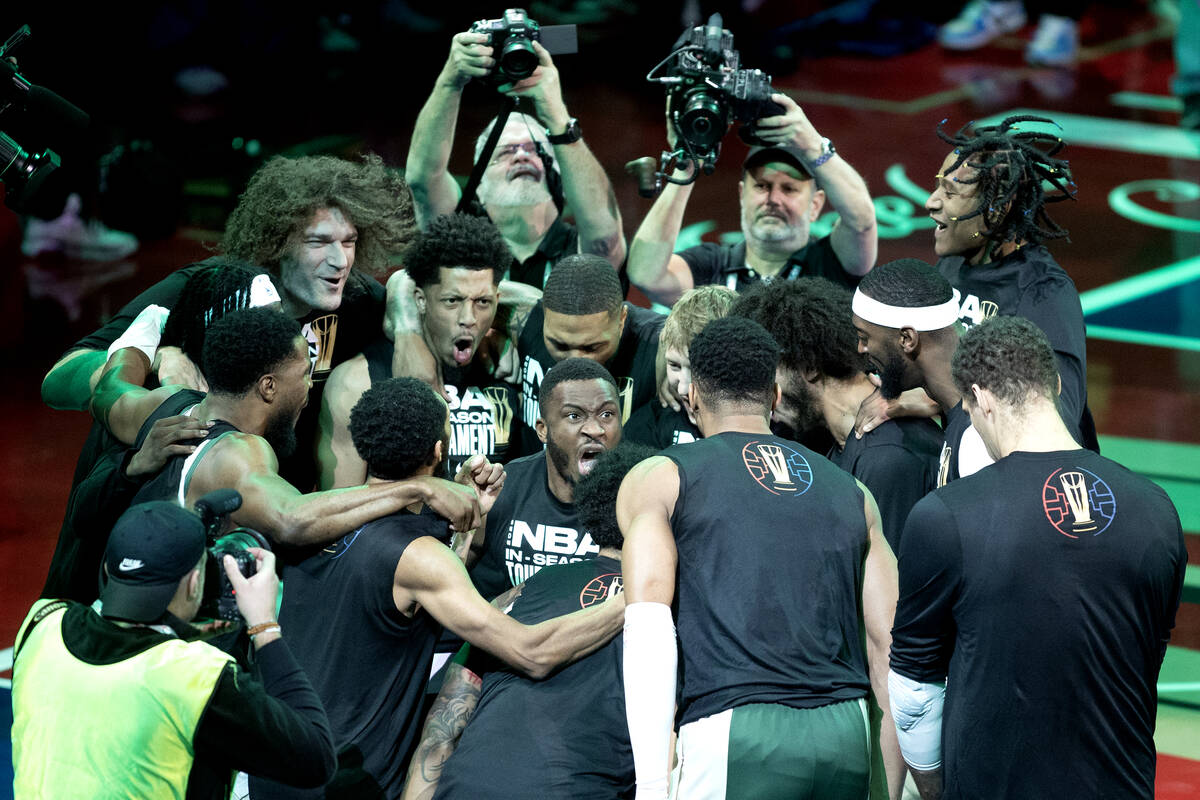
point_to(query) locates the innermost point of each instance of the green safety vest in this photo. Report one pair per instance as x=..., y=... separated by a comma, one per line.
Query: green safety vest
x=116, y=730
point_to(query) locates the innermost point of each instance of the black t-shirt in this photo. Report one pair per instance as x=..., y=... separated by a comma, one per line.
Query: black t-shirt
x=633, y=366
x=367, y=661
x=333, y=337
x=771, y=539
x=528, y=528
x=898, y=463
x=482, y=407
x=725, y=264
x=1029, y=283
x=562, y=239
x=1043, y=589
x=562, y=737
x=659, y=427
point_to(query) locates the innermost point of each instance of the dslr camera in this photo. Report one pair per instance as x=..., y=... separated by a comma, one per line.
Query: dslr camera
x=31, y=179
x=218, y=601
x=511, y=38
x=707, y=91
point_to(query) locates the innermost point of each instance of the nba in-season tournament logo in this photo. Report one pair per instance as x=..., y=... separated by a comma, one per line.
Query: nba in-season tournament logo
x=777, y=468
x=1078, y=503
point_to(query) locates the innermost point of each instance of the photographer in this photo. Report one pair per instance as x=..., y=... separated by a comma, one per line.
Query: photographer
x=783, y=189
x=514, y=190
x=116, y=701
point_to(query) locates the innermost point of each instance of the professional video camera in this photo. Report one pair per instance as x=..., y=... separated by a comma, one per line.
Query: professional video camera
x=707, y=91
x=512, y=37
x=214, y=508
x=26, y=174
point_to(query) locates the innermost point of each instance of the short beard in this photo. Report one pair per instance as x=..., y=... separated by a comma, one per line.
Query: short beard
x=776, y=234
x=560, y=459
x=808, y=415
x=281, y=435
x=891, y=377
x=513, y=194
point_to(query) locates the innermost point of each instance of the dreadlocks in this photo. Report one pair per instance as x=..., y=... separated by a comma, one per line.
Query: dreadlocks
x=1010, y=166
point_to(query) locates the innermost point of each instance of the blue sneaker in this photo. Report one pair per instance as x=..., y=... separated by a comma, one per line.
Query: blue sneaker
x=1055, y=43
x=981, y=22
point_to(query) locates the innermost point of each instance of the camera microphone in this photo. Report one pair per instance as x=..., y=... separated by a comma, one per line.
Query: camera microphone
x=40, y=100
x=215, y=506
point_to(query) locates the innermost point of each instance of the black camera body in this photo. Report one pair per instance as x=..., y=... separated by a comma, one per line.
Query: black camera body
x=218, y=601
x=709, y=91
x=511, y=38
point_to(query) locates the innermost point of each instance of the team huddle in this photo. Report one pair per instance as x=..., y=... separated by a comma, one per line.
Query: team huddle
x=825, y=528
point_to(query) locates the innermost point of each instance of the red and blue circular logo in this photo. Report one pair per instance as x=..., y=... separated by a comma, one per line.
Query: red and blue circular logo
x=598, y=589
x=1078, y=503
x=778, y=468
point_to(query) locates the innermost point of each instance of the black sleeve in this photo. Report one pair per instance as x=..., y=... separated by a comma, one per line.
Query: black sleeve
x=704, y=262
x=1055, y=308
x=101, y=497
x=898, y=479
x=275, y=729
x=930, y=572
x=165, y=293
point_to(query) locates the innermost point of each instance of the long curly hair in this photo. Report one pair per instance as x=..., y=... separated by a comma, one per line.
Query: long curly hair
x=281, y=198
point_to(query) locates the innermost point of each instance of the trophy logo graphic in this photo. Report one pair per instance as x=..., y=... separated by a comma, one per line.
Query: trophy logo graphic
x=626, y=395
x=502, y=413
x=1077, y=501
x=777, y=468
x=772, y=457
x=1075, y=488
x=600, y=589
x=987, y=310
x=324, y=329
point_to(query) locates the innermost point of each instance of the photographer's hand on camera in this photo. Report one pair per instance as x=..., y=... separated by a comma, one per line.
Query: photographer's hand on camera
x=470, y=57
x=544, y=91
x=790, y=128
x=257, y=595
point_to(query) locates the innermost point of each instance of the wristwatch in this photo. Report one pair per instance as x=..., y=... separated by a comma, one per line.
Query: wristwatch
x=827, y=152
x=572, y=134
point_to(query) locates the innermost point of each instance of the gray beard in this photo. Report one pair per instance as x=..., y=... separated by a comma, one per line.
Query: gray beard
x=773, y=233
x=511, y=194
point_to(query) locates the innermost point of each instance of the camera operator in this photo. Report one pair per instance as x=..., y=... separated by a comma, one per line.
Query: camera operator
x=514, y=190
x=116, y=700
x=784, y=186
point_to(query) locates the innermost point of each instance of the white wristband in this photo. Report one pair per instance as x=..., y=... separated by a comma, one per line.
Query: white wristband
x=144, y=332
x=649, y=671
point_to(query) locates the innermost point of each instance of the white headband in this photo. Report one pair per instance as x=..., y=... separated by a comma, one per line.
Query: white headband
x=262, y=291
x=919, y=318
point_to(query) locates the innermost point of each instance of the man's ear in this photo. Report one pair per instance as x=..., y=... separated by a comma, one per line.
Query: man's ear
x=267, y=387
x=624, y=317
x=818, y=203
x=195, y=585
x=437, y=452
x=693, y=396
x=983, y=399
x=539, y=427
x=910, y=341
x=419, y=296
x=778, y=396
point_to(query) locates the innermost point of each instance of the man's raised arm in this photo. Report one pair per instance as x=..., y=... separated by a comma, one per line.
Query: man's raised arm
x=648, y=562
x=427, y=170
x=855, y=238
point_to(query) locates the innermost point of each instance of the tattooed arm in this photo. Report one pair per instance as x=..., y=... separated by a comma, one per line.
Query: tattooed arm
x=448, y=716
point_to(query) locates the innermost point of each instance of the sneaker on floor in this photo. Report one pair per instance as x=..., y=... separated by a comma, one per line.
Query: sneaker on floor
x=981, y=22
x=1055, y=43
x=70, y=235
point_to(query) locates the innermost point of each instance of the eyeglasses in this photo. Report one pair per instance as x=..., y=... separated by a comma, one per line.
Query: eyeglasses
x=510, y=150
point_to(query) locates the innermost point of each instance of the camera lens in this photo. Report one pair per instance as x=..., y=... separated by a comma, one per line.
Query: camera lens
x=517, y=58
x=703, y=121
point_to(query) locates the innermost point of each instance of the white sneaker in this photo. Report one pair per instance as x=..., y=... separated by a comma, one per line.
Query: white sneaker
x=981, y=22
x=1055, y=43
x=71, y=235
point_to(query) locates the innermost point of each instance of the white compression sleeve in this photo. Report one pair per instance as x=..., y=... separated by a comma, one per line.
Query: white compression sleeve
x=649, y=668
x=917, y=710
x=144, y=332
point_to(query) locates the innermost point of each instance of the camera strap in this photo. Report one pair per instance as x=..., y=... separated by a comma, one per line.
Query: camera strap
x=485, y=155
x=42, y=613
